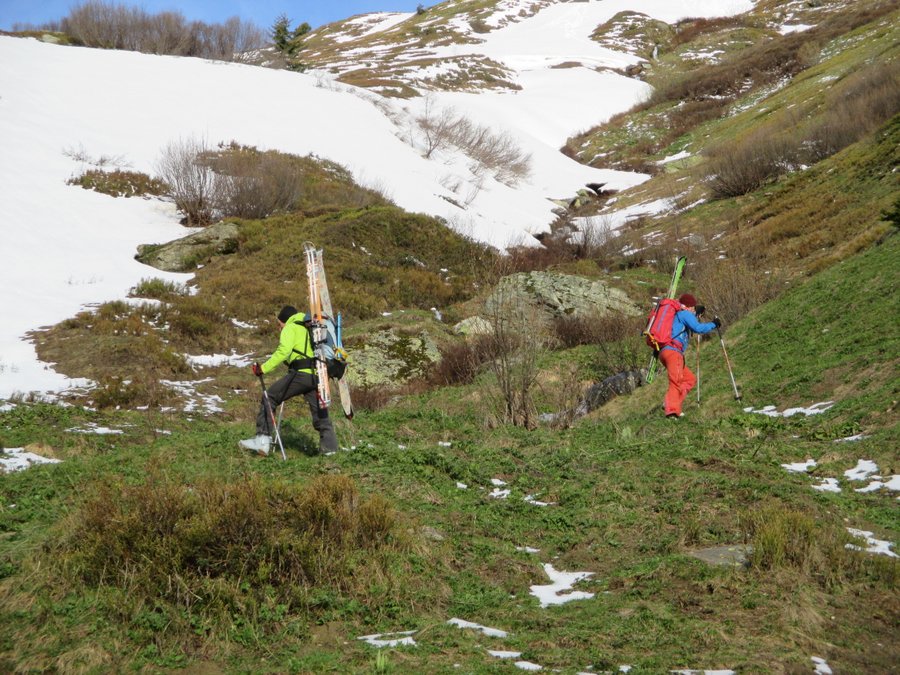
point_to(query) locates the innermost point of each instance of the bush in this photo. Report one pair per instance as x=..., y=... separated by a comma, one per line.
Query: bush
x=120, y=183
x=114, y=26
x=736, y=169
x=734, y=287
x=460, y=362
x=191, y=180
x=186, y=543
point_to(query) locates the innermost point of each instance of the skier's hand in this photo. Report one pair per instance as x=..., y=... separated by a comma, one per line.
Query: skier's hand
x=255, y=369
x=717, y=321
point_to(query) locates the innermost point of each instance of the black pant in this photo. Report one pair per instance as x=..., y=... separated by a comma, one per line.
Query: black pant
x=297, y=384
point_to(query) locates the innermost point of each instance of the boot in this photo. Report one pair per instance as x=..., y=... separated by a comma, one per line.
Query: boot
x=258, y=444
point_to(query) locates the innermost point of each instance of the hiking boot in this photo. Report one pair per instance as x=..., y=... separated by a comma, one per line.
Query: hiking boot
x=674, y=416
x=258, y=444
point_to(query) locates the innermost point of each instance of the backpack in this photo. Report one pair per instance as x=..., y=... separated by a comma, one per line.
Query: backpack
x=659, y=328
x=335, y=355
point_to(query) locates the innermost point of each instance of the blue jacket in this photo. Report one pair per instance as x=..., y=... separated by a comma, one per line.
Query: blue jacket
x=683, y=325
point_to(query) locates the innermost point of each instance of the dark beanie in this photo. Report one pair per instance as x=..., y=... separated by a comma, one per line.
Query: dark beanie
x=688, y=300
x=286, y=313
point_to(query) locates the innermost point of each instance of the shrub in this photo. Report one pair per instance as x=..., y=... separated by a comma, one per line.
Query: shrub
x=732, y=288
x=158, y=289
x=460, y=362
x=186, y=543
x=736, y=169
x=120, y=183
x=190, y=179
x=115, y=26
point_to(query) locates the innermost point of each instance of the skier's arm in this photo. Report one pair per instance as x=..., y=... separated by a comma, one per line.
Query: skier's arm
x=693, y=324
x=285, y=344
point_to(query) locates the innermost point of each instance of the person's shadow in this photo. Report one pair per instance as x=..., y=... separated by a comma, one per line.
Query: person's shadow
x=294, y=437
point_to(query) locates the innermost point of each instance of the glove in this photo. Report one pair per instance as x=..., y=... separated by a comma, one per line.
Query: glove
x=718, y=322
x=255, y=369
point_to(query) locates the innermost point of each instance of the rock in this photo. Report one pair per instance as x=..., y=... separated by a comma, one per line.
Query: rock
x=182, y=255
x=473, y=326
x=390, y=356
x=602, y=392
x=725, y=556
x=556, y=295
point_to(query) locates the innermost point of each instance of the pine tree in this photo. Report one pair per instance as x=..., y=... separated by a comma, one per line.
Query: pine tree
x=289, y=43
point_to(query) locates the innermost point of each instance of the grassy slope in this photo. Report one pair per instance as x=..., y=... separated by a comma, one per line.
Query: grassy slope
x=633, y=494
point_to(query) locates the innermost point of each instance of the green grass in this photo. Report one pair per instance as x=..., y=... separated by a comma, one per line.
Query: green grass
x=633, y=493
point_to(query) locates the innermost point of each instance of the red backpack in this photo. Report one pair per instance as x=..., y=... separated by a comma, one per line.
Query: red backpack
x=659, y=328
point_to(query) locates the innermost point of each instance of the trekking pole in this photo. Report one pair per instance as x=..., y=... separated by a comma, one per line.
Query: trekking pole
x=698, y=369
x=737, y=394
x=271, y=413
x=280, y=413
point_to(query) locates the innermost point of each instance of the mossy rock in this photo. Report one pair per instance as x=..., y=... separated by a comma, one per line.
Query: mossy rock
x=557, y=295
x=182, y=255
x=392, y=357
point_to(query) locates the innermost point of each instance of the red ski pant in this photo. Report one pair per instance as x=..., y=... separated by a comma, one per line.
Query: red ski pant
x=681, y=380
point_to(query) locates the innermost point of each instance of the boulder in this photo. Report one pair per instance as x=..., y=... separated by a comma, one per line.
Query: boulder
x=556, y=295
x=391, y=357
x=182, y=255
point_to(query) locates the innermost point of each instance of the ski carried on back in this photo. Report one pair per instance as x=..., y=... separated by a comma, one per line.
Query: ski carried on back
x=673, y=289
x=327, y=340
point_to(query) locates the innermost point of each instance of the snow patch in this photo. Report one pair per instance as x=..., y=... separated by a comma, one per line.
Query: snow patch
x=19, y=459
x=559, y=590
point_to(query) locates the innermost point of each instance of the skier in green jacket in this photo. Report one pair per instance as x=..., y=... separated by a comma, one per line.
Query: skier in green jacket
x=295, y=349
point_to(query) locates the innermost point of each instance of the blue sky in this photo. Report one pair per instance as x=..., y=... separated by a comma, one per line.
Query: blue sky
x=261, y=12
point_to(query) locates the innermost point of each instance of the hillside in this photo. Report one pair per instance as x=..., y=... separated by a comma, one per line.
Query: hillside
x=481, y=516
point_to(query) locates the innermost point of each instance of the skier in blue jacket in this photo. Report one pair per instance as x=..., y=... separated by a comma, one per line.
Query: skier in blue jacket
x=681, y=379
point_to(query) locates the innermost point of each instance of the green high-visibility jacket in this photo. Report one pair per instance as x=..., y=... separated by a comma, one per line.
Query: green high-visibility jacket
x=293, y=343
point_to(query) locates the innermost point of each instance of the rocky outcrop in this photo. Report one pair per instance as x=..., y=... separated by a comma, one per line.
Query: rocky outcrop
x=182, y=255
x=390, y=356
x=557, y=295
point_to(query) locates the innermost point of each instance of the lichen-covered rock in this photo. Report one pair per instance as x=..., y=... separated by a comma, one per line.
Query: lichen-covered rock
x=558, y=295
x=473, y=326
x=182, y=255
x=391, y=357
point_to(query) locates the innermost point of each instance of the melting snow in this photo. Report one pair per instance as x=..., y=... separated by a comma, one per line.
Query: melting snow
x=559, y=591
x=800, y=467
x=500, y=654
x=403, y=638
x=772, y=411
x=827, y=485
x=863, y=469
x=873, y=545
x=19, y=459
x=490, y=632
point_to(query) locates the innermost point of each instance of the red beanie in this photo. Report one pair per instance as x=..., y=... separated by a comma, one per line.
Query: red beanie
x=688, y=300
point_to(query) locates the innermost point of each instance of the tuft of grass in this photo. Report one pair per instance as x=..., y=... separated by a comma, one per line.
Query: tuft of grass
x=120, y=183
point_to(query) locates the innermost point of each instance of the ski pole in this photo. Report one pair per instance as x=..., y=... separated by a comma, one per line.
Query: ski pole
x=280, y=413
x=698, y=370
x=737, y=394
x=271, y=413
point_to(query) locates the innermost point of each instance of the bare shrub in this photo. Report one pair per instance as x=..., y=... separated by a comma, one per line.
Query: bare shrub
x=863, y=102
x=736, y=169
x=732, y=288
x=492, y=152
x=192, y=181
x=513, y=347
x=251, y=184
x=586, y=329
x=109, y=25
x=460, y=362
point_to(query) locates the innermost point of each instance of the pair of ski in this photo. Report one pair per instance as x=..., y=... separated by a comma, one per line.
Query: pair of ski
x=320, y=310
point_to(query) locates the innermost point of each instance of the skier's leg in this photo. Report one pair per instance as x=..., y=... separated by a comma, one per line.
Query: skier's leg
x=320, y=420
x=674, y=363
